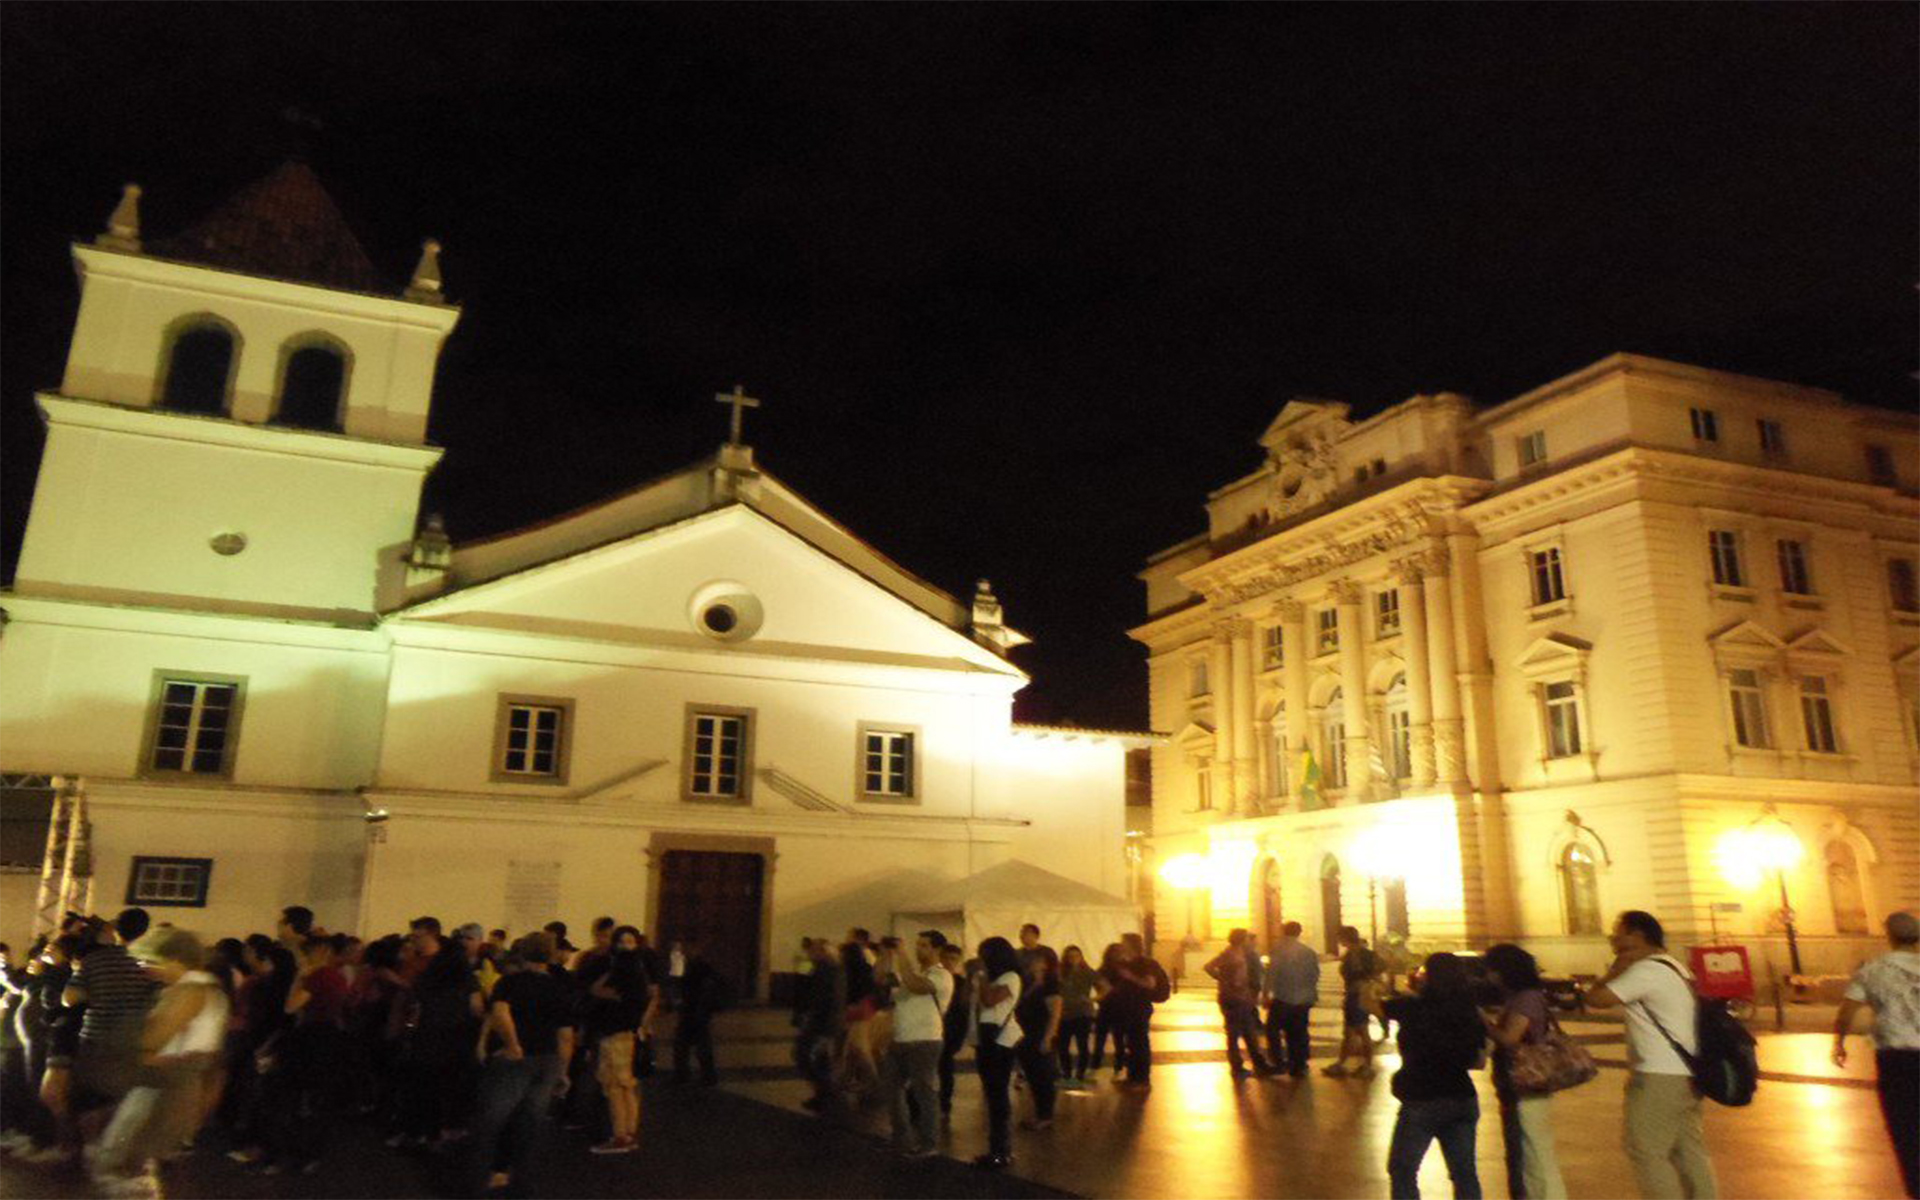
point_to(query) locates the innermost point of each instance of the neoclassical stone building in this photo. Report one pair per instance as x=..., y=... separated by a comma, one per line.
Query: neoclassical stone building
x=1634, y=639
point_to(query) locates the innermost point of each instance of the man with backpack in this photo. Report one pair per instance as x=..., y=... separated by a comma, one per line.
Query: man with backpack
x=1665, y=1138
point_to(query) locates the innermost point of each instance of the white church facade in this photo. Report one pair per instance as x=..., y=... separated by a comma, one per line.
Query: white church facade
x=701, y=706
x=1645, y=637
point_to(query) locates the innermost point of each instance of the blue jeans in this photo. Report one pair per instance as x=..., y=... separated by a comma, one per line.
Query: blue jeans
x=513, y=1099
x=1451, y=1119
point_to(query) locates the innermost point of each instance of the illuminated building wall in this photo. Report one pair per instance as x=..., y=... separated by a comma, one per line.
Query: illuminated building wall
x=1546, y=661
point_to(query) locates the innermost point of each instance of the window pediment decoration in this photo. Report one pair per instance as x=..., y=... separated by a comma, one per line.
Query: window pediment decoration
x=1195, y=739
x=1816, y=648
x=1383, y=672
x=1745, y=644
x=1554, y=654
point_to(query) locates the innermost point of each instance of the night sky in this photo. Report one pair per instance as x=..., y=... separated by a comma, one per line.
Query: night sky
x=1019, y=284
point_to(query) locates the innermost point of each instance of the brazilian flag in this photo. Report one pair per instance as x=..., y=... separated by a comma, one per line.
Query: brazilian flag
x=1310, y=797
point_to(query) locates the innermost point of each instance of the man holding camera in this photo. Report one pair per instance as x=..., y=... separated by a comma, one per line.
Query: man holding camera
x=922, y=989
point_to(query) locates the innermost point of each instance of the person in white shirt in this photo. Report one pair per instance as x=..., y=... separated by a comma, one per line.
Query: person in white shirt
x=922, y=989
x=996, y=992
x=1890, y=985
x=1665, y=1139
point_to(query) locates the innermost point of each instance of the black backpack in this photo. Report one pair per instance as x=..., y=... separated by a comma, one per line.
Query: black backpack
x=1727, y=1068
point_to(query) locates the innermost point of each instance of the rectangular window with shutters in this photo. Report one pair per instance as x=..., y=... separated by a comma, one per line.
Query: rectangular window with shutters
x=1773, y=439
x=193, y=726
x=1562, y=700
x=1796, y=578
x=1386, y=613
x=1903, y=592
x=719, y=754
x=1326, y=625
x=888, y=763
x=1723, y=546
x=169, y=882
x=1748, y=699
x=1549, y=582
x=1273, y=648
x=1706, y=425
x=1533, y=448
x=532, y=737
x=1816, y=715
x=1333, y=772
x=1880, y=466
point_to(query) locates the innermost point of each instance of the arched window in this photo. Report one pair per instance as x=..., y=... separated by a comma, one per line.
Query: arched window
x=1330, y=903
x=1333, y=729
x=199, y=367
x=1580, y=890
x=1399, y=730
x=311, y=387
x=1843, y=885
x=1395, y=894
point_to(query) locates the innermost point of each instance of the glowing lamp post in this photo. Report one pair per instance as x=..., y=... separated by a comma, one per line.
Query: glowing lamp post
x=1382, y=853
x=1767, y=843
x=1187, y=873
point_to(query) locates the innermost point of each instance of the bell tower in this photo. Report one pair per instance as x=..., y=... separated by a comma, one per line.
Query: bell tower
x=241, y=425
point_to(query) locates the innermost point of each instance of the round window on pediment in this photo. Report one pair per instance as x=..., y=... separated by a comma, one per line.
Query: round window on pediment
x=725, y=611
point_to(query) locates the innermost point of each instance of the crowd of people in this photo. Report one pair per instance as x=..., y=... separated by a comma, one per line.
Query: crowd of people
x=126, y=1041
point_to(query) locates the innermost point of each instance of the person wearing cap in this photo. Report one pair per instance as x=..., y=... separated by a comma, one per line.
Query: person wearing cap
x=179, y=1045
x=1890, y=985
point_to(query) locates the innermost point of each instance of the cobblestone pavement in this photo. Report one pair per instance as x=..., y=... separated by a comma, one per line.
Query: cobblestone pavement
x=1812, y=1131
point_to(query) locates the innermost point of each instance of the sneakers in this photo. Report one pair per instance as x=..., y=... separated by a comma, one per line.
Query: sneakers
x=1035, y=1124
x=143, y=1185
x=48, y=1156
x=617, y=1145
x=921, y=1153
x=1366, y=1072
x=1336, y=1071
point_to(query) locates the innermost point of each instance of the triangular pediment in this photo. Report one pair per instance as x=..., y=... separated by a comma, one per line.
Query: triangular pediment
x=789, y=597
x=1193, y=736
x=1745, y=635
x=1300, y=413
x=1817, y=641
x=1553, y=649
x=1907, y=660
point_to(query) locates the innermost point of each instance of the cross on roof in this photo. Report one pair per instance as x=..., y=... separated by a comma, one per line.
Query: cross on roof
x=739, y=399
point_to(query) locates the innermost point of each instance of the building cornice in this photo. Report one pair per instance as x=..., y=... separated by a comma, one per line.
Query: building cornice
x=225, y=431
x=225, y=282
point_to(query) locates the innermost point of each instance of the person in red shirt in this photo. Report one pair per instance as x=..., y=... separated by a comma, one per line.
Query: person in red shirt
x=310, y=1075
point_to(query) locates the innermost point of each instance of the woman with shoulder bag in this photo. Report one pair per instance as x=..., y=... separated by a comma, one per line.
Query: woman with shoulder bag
x=1521, y=1029
x=996, y=994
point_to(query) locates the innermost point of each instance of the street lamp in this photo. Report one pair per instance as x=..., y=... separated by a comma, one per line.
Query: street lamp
x=1767, y=843
x=1187, y=873
x=1381, y=853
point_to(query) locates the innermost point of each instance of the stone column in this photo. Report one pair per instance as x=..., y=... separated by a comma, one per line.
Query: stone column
x=1413, y=621
x=1220, y=682
x=1449, y=761
x=1245, y=749
x=1293, y=621
x=1348, y=597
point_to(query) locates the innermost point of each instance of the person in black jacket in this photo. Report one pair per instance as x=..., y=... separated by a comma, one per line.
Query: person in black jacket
x=1442, y=1038
x=702, y=994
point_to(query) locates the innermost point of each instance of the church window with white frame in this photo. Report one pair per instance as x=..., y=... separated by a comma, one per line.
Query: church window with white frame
x=1273, y=647
x=1561, y=700
x=195, y=725
x=169, y=882
x=1548, y=579
x=1816, y=715
x=1796, y=577
x=1724, y=547
x=1326, y=624
x=719, y=754
x=531, y=739
x=1386, y=612
x=1747, y=698
x=887, y=763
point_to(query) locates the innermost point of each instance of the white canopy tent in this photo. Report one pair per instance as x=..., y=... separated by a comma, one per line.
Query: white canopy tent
x=1000, y=899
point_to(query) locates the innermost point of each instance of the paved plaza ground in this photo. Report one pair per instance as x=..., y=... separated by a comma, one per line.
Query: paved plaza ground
x=1812, y=1131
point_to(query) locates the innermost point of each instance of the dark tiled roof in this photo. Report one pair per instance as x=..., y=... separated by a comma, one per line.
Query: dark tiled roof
x=284, y=226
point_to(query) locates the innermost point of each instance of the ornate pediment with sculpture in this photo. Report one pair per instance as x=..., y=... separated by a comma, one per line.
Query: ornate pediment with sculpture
x=1303, y=465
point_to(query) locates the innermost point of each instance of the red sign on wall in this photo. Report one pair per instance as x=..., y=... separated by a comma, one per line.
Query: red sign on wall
x=1722, y=972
